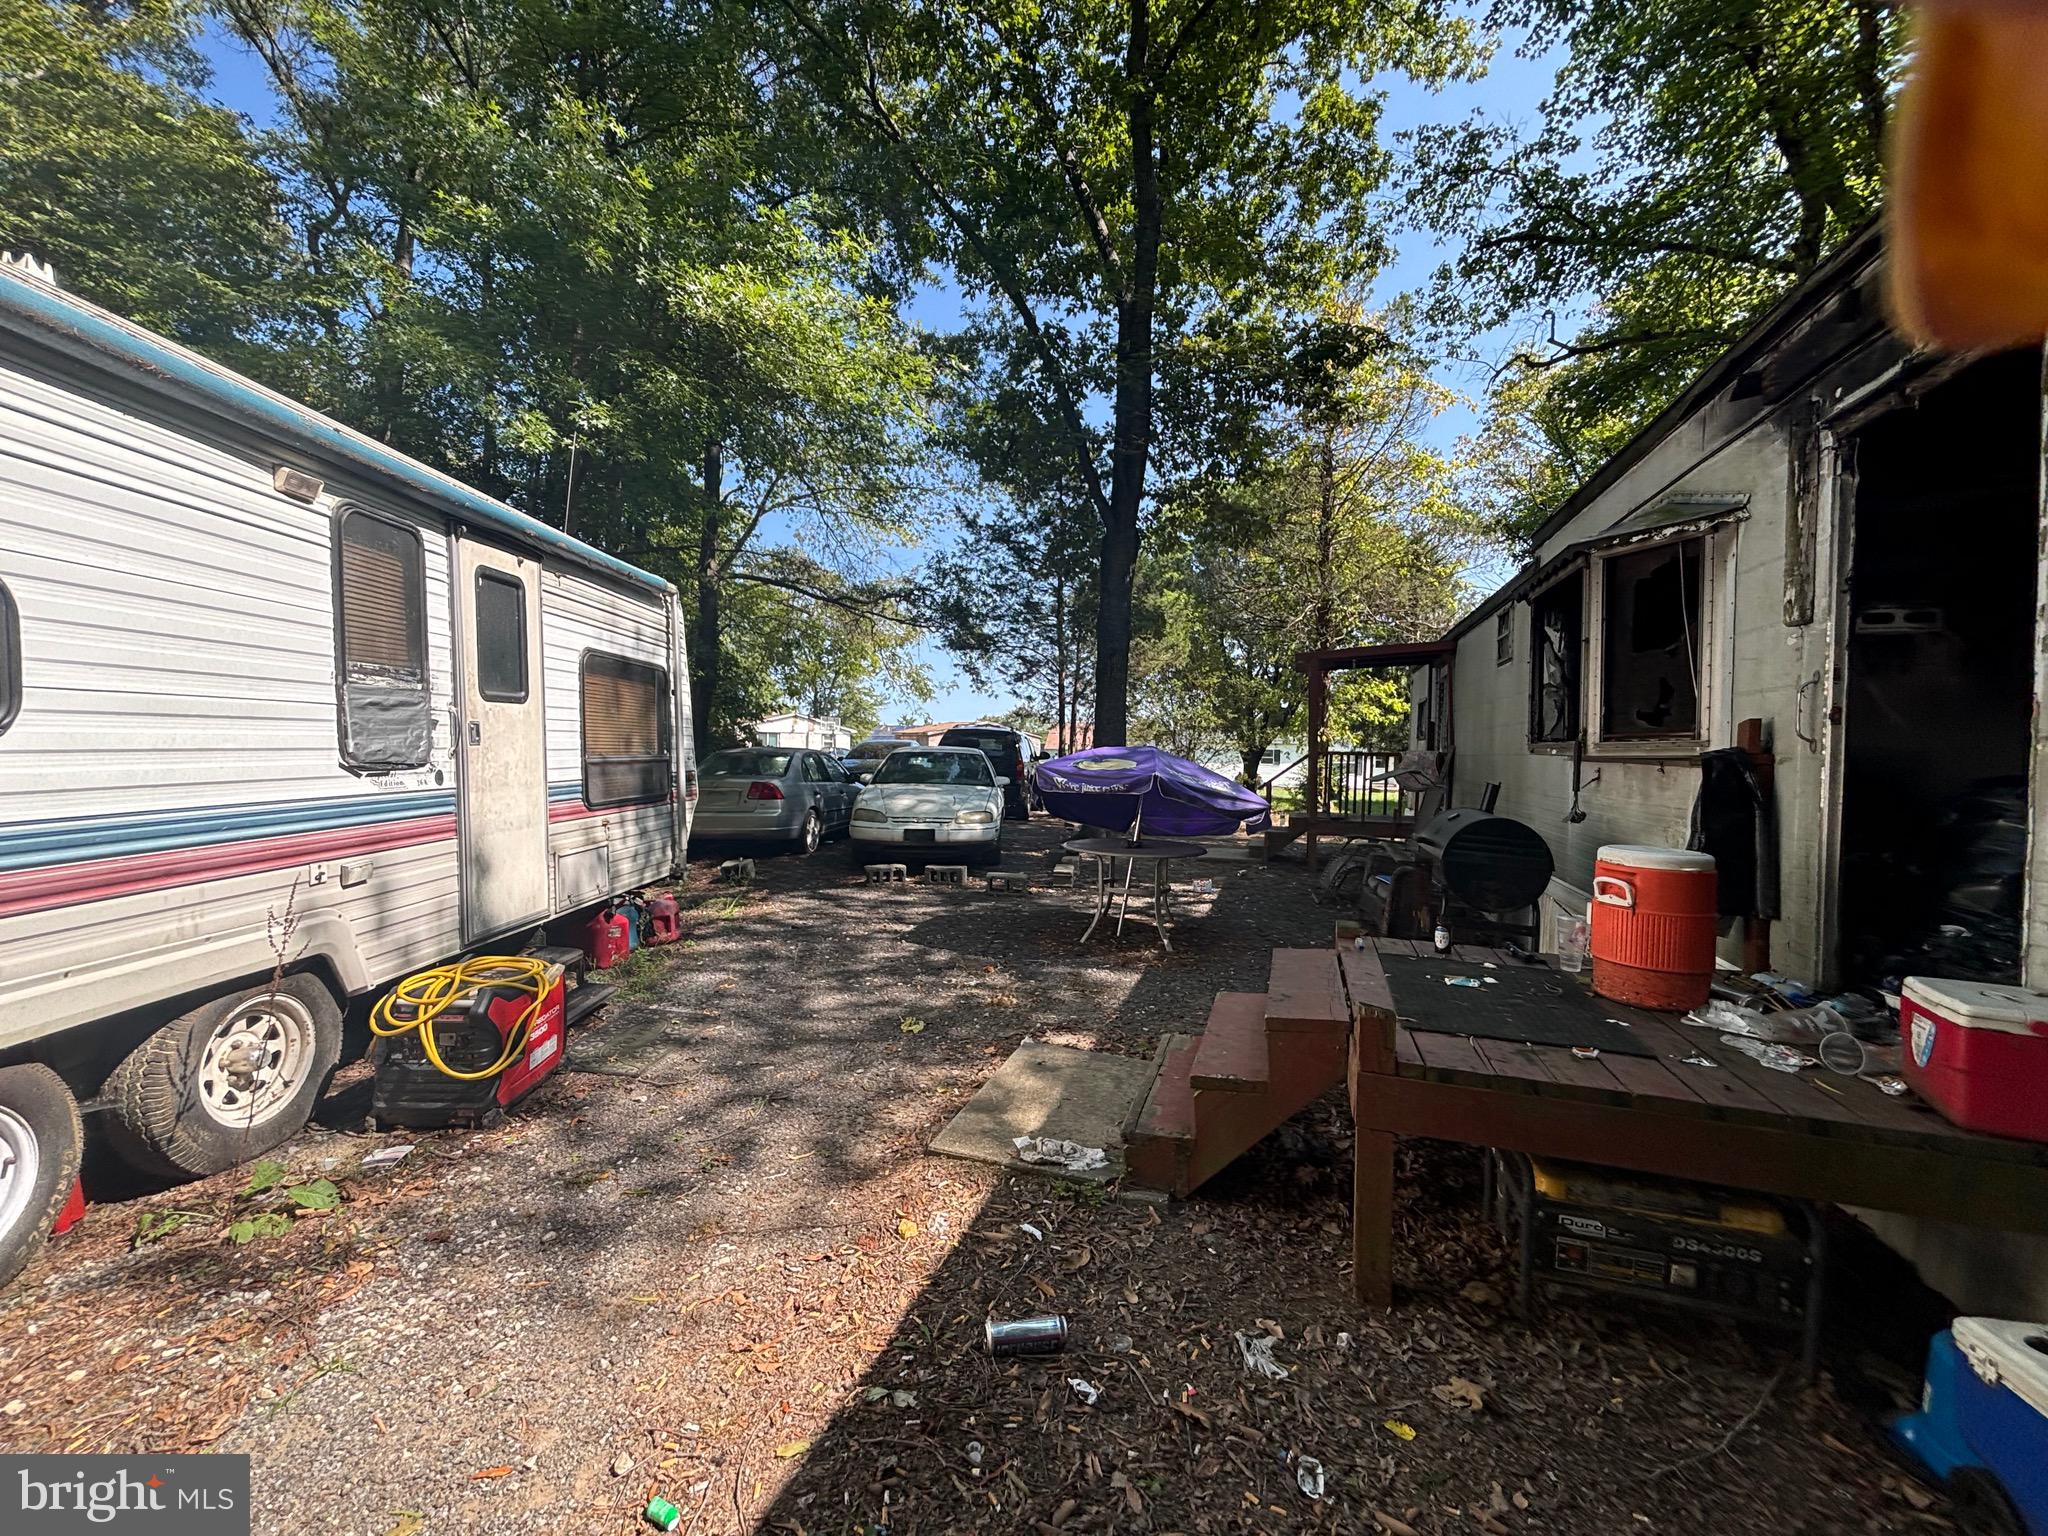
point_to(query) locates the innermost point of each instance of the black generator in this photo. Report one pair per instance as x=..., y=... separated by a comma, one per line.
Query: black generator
x=1581, y=1228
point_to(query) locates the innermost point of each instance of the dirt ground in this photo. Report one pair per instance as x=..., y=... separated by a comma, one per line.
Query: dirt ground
x=712, y=1260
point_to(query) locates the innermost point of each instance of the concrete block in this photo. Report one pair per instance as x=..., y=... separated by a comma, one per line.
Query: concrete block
x=945, y=874
x=1015, y=881
x=885, y=874
x=1063, y=872
x=737, y=872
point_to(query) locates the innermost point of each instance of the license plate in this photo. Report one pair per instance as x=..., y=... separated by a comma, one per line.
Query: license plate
x=920, y=835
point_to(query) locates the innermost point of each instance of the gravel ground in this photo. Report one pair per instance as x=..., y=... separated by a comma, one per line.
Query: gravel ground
x=711, y=1259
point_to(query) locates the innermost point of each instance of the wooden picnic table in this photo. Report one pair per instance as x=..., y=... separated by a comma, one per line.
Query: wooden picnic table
x=1810, y=1135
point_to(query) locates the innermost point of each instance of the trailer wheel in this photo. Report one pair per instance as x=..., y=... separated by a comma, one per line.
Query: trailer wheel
x=231, y=1079
x=39, y=1145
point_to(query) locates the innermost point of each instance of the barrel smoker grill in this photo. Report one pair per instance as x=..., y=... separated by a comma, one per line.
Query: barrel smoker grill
x=1479, y=874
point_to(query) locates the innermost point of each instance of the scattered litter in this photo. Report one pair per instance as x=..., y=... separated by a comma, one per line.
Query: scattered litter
x=1343, y=1342
x=1397, y=1429
x=1699, y=1061
x=1463, y=981
x=792, y=1450
x=1778, y=1057
x=1586, y=1052
x=1491, y=981
x=1030, y=1231
x=1044, y=1335
x=1308, y=1476
x=661, y=1514
x=975, y=1451
x=1891, y=1087
x=1257, y=1353
x=385, y=1157
x=1120, y=1343
x=906, y=1229
x=941, y=1224
x=1359, y=943
x=1204, y=888
x=1070, y=1155
x=621, y=1464
x=1087, y=1391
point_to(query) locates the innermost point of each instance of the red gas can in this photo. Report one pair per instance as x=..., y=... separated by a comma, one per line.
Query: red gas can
x=664, y=919
x=1653, y=926
x=606, y=936
x=1978, y=1053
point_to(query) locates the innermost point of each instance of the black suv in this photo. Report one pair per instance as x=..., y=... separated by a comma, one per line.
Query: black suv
x=1010, y=752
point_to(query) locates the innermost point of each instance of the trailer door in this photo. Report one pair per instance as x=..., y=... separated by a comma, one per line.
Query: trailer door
x=502, y=759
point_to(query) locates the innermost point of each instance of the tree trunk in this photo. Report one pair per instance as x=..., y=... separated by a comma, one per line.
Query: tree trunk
x=1059, y=651
x=1132, y=410
x=704, y=637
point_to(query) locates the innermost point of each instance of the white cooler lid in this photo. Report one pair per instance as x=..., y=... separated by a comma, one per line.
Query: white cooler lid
x=2000, y=1352
x=1642, y=856
x=1980, y=1004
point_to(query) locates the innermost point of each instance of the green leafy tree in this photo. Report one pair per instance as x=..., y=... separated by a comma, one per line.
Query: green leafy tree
x=1349, y=536
x=572, y=262
x=114, y=169
x=1137, y=194
x=1695, y=158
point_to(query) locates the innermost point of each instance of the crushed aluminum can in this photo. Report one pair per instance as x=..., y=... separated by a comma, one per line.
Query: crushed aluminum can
x=1026, y=1336
x=662, y=1515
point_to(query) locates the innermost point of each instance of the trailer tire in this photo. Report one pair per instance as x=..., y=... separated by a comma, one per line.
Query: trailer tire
x=40, y=1139
x=226, y=1081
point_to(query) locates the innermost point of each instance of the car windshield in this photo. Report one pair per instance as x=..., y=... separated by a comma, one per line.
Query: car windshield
x=745, y=765
x=993, y=745
x=935, y=768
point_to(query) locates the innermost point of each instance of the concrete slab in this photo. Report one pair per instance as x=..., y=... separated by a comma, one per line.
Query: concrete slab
x=1055, y=1091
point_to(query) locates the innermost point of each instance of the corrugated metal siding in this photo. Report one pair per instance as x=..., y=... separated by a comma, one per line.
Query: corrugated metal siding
x=178, y=654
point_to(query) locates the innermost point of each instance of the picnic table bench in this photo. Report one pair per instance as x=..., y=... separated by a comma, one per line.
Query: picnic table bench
x=1735, y=1122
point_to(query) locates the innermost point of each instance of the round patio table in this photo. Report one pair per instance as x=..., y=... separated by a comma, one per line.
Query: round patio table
x=1156, y=853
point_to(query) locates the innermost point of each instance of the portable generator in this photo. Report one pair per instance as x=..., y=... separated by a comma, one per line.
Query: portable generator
x=459, y=1044
x=1681, y=1244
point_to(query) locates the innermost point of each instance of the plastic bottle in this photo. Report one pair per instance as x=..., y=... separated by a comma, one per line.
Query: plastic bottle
x=1443, y=937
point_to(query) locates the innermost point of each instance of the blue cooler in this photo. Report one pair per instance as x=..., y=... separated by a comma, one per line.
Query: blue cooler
x=1983, y=1421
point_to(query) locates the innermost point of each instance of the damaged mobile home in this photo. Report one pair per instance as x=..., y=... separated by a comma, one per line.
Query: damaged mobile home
x=276, y=699
x=1837, y=536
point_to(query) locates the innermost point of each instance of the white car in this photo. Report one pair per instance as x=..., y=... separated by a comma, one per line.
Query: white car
x=931, y=799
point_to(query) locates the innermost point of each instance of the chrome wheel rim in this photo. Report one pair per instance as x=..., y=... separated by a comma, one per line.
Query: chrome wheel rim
x=255, y=1060
x=21, y=1163
x=811, y=833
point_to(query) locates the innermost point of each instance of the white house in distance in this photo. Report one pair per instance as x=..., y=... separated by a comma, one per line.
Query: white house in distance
x=790, y=729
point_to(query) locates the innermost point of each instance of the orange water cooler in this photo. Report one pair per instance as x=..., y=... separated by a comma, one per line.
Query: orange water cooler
x=1654, y=919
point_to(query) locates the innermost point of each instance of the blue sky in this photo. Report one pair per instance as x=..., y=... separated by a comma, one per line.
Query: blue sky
x=1512, y=89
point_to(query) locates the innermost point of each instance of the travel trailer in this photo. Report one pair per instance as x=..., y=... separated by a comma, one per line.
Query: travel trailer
x=284, y=716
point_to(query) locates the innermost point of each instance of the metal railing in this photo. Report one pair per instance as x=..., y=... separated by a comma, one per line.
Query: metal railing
x=1356, y=787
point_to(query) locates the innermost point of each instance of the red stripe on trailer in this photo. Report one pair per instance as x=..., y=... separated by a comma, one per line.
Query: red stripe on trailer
x=99, y=879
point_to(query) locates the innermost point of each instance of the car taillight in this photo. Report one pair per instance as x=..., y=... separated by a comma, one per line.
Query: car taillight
x=762, y=789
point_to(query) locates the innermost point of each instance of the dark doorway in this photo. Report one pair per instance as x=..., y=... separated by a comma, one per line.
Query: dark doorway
x=1939, y=688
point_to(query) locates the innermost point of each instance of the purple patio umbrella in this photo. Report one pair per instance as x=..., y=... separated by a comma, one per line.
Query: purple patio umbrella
x=1142, y=789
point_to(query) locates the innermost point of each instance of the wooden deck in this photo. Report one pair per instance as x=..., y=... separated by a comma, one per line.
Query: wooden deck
x=1811, y=1135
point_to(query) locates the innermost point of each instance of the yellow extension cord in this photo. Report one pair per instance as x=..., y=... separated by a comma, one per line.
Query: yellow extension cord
x=433, y=992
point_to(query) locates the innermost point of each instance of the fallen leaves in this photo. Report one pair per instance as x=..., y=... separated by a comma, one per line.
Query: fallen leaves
x=1397, y=1429
x=791, y=1450
x=488, y=1473
x=1462, y=1392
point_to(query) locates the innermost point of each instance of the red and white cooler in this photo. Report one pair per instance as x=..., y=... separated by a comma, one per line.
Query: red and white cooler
x=1978, y=1053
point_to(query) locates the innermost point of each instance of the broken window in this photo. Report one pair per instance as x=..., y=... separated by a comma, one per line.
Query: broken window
x=1650, y=642
x=1557, y=619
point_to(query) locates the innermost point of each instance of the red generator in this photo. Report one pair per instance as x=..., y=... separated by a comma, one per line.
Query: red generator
x=664, y=919
x=459, y=1045
x=1978, y=1052
x=605, y=937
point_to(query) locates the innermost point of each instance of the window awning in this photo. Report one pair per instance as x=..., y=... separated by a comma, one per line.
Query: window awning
x=1674, y=517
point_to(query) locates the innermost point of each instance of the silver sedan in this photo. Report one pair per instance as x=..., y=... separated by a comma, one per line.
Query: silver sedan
x=772, y=794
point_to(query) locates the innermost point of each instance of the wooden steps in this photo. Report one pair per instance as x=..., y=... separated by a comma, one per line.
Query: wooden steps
x=1263, y=1057
x=1230, y=1054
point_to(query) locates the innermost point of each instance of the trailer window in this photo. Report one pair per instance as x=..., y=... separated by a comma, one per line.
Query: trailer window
x=10, y=658
x=381, y=643
x=500, y=637
x=626, y=739
x=1651, y=642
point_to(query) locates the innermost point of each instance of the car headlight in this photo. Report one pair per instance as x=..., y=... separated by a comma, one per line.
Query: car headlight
x=869, y=813
x=973, y=819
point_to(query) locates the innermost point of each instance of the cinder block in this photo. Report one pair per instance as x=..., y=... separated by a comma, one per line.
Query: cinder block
x=1063, y=872
x=737, y=872
x=945, y=874
x=1015, y=881
x=885, y=874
